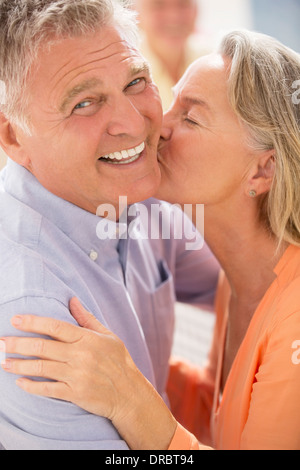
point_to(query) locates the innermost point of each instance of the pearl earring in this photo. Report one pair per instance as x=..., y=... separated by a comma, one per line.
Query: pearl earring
x=252, y=193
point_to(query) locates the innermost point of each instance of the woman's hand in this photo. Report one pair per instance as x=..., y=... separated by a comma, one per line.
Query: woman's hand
x=89, y=364
x=90, y=367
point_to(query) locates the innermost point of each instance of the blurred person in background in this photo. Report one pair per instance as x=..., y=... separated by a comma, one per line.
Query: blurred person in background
x=169, y=40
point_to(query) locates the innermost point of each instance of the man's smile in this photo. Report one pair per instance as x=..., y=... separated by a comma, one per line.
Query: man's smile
x=124, y=157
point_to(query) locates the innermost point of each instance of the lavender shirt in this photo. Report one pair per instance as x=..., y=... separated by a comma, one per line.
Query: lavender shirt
x=50, y=251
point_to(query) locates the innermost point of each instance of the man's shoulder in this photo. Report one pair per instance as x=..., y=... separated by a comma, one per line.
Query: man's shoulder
x=21, y=271
x=29, y=258
x=20, y=228
x=26, y=271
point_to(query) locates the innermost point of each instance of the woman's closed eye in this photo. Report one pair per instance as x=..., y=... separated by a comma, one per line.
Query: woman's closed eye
x=191, y=121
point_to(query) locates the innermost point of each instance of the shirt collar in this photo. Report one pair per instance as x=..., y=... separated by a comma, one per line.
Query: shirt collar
x=77, y=223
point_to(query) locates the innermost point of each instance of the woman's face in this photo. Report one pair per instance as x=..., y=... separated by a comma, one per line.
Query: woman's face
x=203, y=153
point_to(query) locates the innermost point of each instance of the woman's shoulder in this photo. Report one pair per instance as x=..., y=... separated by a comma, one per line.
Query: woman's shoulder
x=286, y=295
x=288, y=278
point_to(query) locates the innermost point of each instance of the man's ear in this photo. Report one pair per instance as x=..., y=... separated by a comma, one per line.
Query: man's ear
x=262, y=174
x=9, y=141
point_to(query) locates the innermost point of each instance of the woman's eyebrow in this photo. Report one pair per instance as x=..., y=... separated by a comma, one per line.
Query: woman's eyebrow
x=194, y=101
x=76, y=90
x=190, y=100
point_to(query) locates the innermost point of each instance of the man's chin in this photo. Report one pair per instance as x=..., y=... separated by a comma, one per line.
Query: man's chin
x=144, y=189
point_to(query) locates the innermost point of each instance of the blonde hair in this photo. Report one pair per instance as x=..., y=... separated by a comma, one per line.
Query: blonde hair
x=263, y=77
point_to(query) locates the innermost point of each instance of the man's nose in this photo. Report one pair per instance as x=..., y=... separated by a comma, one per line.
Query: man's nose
x=126, y=119
x=166, y=130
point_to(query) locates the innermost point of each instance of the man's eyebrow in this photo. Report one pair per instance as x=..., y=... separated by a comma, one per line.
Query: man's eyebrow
x=143, y=67
x=75, y=91
x=135, y=69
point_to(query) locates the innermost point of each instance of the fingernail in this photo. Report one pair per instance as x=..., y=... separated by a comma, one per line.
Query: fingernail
x=17, y=321
x=21, y=382
x=6, y=364
x=2, y=351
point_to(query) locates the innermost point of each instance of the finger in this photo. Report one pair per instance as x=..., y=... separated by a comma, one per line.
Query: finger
x=56, y=329
x=37, y=368
x=58, y=390
x=84, y=318
x=38, y=347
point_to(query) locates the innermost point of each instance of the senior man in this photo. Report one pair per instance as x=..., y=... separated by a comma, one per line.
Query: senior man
x=80, y=120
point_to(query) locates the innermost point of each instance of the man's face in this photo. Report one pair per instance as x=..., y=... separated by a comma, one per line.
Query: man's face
x=92, y=97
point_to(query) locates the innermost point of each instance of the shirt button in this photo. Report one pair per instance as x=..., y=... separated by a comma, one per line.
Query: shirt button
x=93, y=255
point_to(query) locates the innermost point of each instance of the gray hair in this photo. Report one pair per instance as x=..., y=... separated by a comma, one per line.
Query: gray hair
x=261, y=87
x=26, y=25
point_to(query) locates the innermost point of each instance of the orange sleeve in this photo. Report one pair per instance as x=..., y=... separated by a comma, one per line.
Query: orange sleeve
x=274, y=414
x=184, y=440
x=190, y=391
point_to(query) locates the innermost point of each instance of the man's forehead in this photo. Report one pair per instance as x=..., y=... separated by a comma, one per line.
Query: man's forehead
x=72, y=65
x=66, y=55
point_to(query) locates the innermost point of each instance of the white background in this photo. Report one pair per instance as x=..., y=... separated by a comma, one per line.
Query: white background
x=216, y=16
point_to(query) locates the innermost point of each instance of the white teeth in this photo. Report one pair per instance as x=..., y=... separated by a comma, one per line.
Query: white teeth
x=140, y=148
x=133, y=153
x=125, y=162
x=117, y=155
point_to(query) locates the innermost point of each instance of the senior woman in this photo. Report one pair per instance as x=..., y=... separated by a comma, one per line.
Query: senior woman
x=231, y=140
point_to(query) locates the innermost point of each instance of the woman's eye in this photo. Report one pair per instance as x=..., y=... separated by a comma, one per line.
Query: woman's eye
x=191, y=122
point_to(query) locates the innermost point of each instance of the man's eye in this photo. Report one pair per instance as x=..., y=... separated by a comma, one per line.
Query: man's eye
x=137, y=85
x=83, y=104
x=134, y=82
x=87, y=107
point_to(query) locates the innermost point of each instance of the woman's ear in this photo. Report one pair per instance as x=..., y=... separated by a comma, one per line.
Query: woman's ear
x=9, y=141
x=262, y=175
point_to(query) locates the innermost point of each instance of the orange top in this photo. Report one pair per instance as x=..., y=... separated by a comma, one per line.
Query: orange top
x=260, y=406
